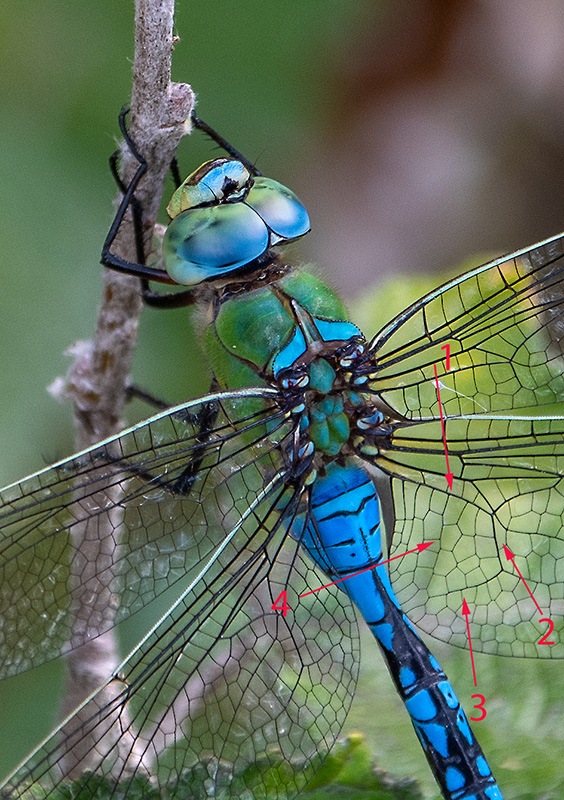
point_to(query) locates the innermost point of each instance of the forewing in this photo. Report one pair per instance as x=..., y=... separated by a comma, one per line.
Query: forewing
x=504, y=326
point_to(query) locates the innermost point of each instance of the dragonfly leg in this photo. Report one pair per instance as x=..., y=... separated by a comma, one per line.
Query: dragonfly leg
x=204, y=420
x=136, y=392
x=130, y=202
x=183, y=484
x=224, y=144
x=175, y=172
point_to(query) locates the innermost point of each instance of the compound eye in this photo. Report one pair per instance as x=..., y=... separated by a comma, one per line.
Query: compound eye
x=208, y=243
x=281, y=210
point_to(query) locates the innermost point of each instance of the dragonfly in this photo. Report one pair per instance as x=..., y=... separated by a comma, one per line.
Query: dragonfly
x=272, y=512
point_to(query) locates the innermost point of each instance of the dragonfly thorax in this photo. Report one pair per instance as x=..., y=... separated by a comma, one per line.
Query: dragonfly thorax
x=335, y=415
x=293, y=335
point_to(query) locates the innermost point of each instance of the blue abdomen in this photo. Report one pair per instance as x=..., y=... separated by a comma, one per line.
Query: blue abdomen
x=342, y=534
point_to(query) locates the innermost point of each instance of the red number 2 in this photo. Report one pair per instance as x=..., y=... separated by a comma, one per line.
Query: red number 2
x=543, y=639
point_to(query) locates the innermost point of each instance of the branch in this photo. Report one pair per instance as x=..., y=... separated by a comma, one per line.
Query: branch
x=97, y=382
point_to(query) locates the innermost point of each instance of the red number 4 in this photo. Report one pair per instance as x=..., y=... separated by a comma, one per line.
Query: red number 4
x=281, y=604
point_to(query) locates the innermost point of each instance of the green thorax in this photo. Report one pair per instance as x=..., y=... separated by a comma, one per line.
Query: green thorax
x=295, y=322
x=250, y=329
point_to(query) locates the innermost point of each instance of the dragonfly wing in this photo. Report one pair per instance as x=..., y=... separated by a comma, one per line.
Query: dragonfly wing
x=194, y=506
x=227, y=671
x=68, y=572
x=507, y=490
x=503, y=326
x=503, y=413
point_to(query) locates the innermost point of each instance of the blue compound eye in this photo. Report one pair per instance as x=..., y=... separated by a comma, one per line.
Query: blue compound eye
x=204, y=243
x=223, y=219
x=280, y=209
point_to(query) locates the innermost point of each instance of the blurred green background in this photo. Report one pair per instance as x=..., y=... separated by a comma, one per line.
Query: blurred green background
x=418, y=133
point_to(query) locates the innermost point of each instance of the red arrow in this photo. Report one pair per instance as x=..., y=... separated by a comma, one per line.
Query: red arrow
x=448, y=474
x=511, y=557
x=417, y=549
x=466, y=613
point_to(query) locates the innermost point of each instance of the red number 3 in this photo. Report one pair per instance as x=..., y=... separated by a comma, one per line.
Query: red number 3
x=479, y=706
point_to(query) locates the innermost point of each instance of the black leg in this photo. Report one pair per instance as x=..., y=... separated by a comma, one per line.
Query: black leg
x=134, y=392
x=204, y=420
x=175, y=172
x=130, y=201
x=165, y=299
x=134, y=205
x=224, y=144
x=207, y=418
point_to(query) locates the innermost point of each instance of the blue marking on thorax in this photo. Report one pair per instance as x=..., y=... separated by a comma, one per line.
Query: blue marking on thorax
x=332, y=331
x=328, y=330
x=289, y=354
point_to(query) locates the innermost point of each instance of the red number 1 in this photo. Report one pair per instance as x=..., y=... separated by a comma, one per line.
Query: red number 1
x=446, y=348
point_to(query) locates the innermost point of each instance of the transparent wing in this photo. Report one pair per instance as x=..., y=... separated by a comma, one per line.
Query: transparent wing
x=196, y=503
x=62, y=551
x=503, y=406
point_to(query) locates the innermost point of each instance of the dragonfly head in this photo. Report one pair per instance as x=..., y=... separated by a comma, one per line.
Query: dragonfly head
x=224, y=218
